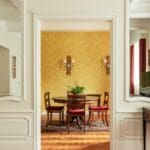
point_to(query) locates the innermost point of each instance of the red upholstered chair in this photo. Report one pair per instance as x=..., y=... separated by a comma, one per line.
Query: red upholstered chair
x=103, y=110
x=76, y=109
x=98, y=96
x=52, y=109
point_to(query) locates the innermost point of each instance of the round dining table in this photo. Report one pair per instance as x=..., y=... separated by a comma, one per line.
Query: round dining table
x=64, y=99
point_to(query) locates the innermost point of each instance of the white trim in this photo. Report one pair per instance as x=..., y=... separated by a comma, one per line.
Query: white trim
x=140, y=15
x=128, y=98
x=23, y=50
x=11, y=98
x=113, y=83
x=37, y=72
x=15, y=136
x=37, y=84
x=16, y=111
x=95, y=25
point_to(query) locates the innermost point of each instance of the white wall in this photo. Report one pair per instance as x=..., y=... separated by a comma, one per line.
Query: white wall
x=127, y=120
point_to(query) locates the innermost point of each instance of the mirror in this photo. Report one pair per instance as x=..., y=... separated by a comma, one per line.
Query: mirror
x=139, y=56
x=11, y=48
x=137, y=79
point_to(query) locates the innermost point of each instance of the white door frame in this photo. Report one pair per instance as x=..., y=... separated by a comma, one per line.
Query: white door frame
x=37, y=73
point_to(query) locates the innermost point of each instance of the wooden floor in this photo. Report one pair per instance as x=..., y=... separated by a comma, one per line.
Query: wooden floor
x=75, y=141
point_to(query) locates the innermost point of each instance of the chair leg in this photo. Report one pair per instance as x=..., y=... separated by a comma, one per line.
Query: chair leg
x=60, y=118
x=103, y=118
x=78, y=122
x=84, y=124
x=98, y=113
x=89, y=119
x=67, y=124
x=63, y=122
x=92, y=118
x=47, y=119
x=106, y=119
x=51, y=117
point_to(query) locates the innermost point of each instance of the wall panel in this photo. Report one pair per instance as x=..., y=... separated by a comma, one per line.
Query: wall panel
x=16, y=127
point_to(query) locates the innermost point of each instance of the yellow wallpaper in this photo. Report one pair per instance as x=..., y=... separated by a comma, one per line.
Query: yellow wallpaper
x=87, y=48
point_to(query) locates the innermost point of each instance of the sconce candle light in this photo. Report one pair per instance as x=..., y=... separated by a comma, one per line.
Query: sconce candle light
x=107, y=64
x=68, y=62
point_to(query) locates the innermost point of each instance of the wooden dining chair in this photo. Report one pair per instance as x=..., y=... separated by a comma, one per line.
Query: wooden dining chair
x=103, y=110
x=52, y=109
x=98, y=96
x=76, y=109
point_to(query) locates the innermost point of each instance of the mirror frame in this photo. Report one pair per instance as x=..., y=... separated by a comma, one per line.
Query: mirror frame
x=14, y=97
x=127, y=54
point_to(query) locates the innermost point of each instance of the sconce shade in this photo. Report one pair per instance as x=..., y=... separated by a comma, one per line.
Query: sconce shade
x=68, y=64
x=107, y=64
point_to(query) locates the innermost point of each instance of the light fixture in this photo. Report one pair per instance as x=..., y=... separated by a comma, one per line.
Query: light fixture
x=107, y=64
x=68, y=62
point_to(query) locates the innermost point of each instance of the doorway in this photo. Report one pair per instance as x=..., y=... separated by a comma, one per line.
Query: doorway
x=38, y=27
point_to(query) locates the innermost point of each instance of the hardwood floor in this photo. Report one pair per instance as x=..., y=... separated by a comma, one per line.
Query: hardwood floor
x=75, y=141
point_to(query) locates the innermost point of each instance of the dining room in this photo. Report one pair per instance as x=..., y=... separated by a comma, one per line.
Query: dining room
x=69, y=59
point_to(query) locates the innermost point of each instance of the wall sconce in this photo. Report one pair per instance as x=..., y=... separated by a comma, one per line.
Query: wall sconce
x=107, y=64
x=68, y=62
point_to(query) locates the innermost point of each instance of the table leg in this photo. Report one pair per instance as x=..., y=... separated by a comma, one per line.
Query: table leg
x=78, y=122
x=78, y=119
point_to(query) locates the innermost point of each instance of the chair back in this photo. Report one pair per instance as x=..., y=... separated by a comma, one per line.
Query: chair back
x=98, y=96
x=47, y=99
x=76, y=101
x=106, y=99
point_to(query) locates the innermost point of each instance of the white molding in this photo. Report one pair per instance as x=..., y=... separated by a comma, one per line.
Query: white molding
x=15, y=137
x=139, y=15
x=16, y=111
x=113, y=82
x=10, y=99
x=37, y=18
x=37, y=84
x=62, y=25
x=128, y=98
x=128, y=134
x=23, y=29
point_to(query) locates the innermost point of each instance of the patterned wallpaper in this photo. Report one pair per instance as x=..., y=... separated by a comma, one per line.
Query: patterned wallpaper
x=87, y=48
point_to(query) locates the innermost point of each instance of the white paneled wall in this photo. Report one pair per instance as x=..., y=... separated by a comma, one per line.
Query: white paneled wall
x=17, y=128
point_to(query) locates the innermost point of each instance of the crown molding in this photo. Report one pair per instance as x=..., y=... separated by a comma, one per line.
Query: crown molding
x=84, y=25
